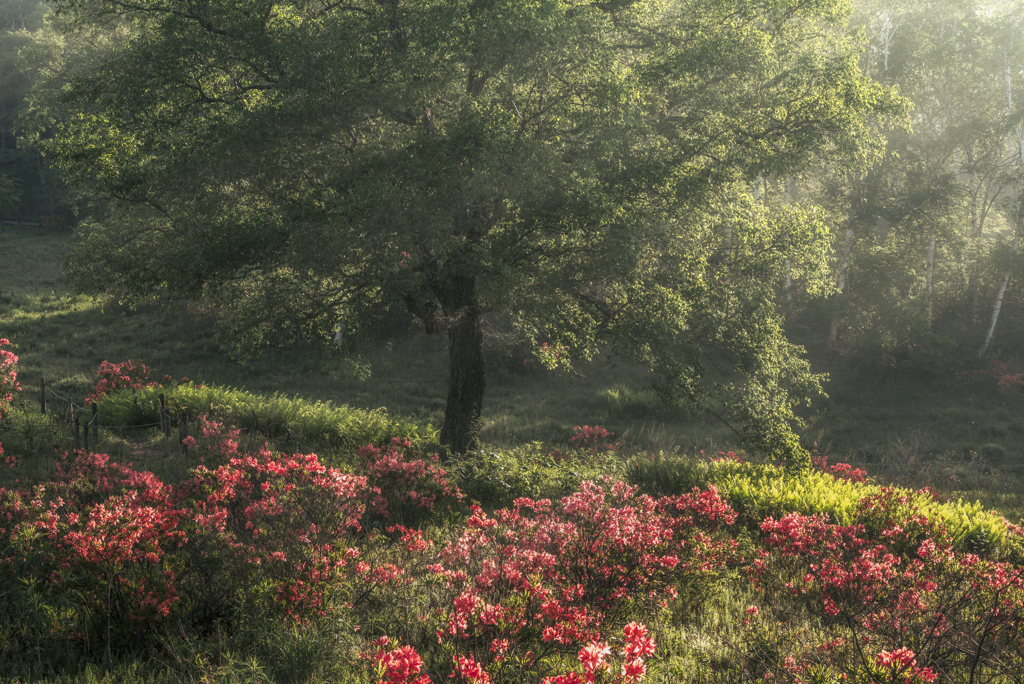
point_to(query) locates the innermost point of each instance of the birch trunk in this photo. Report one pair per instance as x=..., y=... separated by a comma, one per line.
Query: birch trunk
x=999, y=302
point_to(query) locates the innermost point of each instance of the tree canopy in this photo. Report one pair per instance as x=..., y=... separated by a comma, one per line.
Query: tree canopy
x=583, y=167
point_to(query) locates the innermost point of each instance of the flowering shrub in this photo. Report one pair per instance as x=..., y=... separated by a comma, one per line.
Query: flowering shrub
x=999, y=375
x=727, y=456
x=131, y=375
x=840, y=471
x=217, y=443
x=278, y=527
x=543, y=579
x=898, y=587
x=110, y=553
x=8, y=377
x=901, y=666
x=90, y=548
x=594, y=438
x=8, y=385
x=410, y=480
x=637, y=645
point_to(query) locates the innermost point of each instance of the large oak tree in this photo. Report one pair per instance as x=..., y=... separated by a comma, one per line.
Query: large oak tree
x=583, y=167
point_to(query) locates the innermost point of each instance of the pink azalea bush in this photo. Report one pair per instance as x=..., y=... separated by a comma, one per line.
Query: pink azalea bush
x=124, y=553
x=405, y=479
x=570, y=591
x=8, y=385
x=592, y=438
x=284, y=523
x=131, y=374
x=527, y=585
x=128, y=375
x=902, y=593
x=840, y=471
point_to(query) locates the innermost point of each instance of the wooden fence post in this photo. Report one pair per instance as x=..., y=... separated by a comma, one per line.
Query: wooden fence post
x=78, y=433
x=165, y=417
x=85, y=435
x=95, y=424
x=42, y=395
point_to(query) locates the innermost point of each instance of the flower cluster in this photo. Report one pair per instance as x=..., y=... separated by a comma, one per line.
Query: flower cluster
x=840, y=471
x=409, y=478
x=546, y=578
x=395, y=666
x=8, y=384
x=901, y=666
x=131, y=374
x=592, y=438
x=594, y=658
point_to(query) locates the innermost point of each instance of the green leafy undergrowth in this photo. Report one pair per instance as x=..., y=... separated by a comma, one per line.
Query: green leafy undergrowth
x=757, y=491
x=297, y=423
x=498, y=478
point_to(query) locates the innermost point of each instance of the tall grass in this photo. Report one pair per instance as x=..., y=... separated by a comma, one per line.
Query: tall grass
x=289, y=422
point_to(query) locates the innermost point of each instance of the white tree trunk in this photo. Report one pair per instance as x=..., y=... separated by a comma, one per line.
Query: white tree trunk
x=999, y=302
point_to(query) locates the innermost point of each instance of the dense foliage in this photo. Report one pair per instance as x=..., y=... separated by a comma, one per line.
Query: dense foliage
x=582, y=169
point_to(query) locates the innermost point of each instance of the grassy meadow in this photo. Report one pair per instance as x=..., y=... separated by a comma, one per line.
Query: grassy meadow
x=966, y=444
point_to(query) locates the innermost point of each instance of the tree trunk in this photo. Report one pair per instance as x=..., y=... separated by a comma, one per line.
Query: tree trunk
x=457, y=296
x=999, y=300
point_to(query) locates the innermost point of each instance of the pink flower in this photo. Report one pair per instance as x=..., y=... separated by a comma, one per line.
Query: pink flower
x=593, y=654
x=470, y=671
x=633, y=670
x=638, y=644
x=901, y=658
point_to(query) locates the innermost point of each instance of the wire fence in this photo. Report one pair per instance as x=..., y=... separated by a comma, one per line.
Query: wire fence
x=72, y=419
x=9, y=291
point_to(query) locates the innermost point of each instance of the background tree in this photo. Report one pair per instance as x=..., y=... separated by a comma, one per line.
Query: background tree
x=929, y=235
x=581, y=168
x=26, y=46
